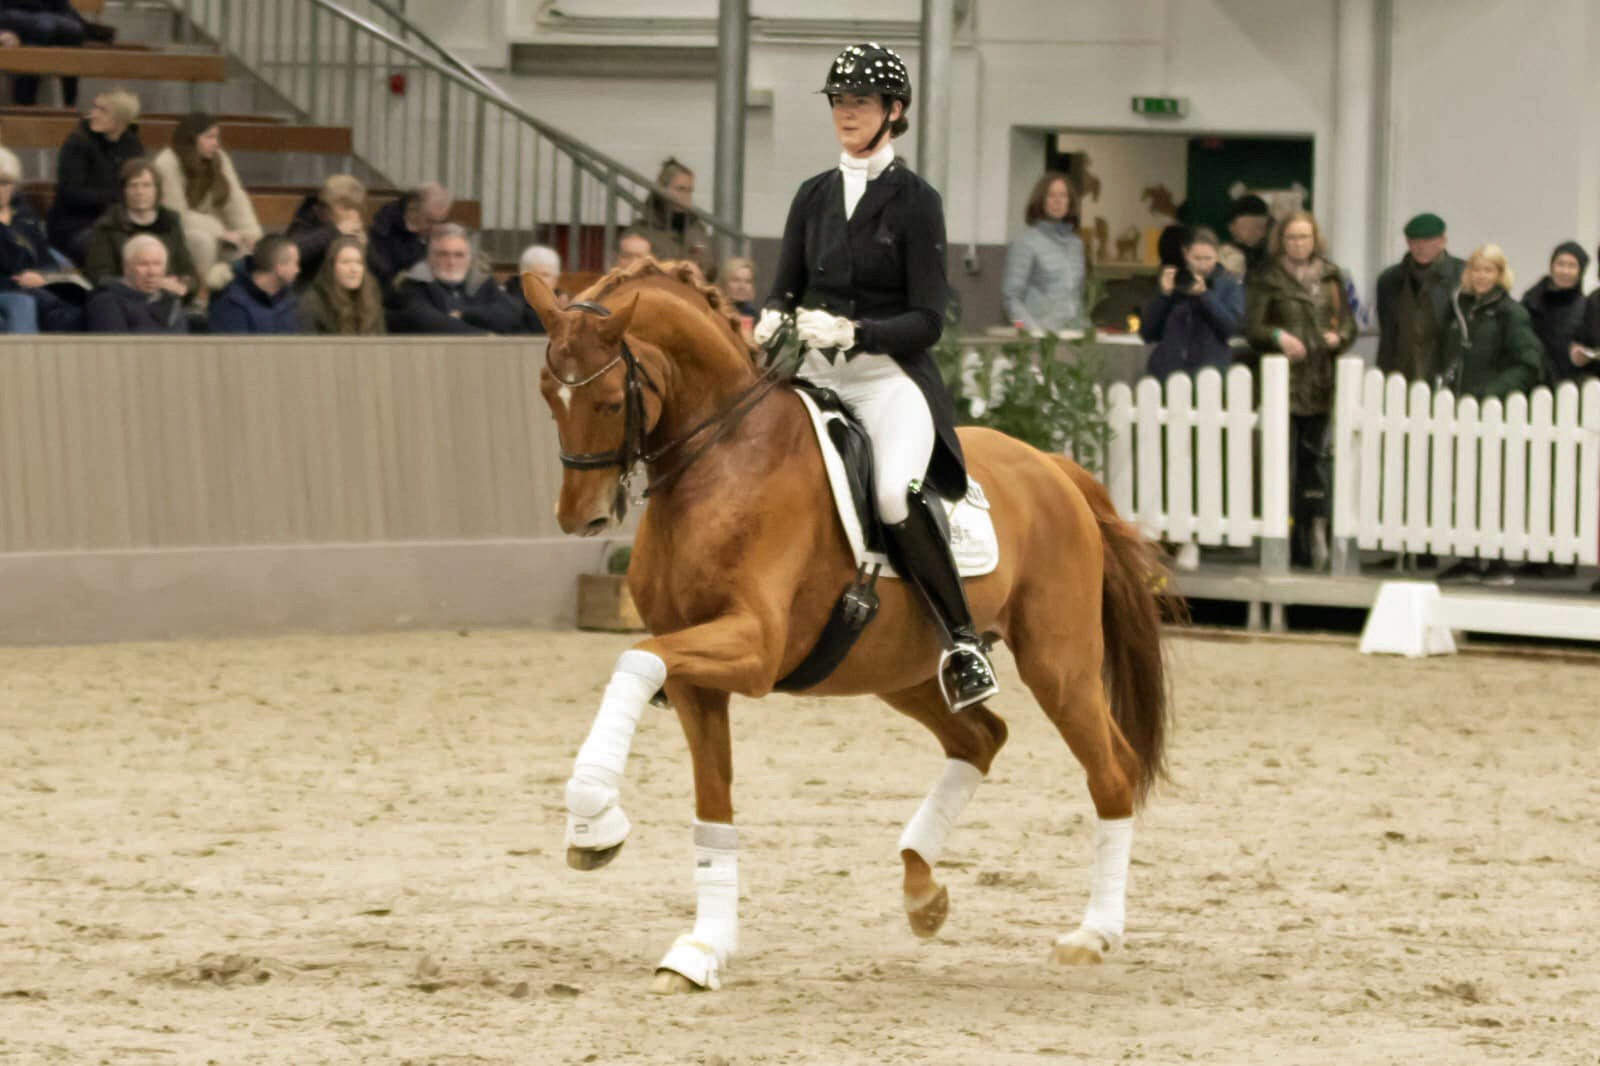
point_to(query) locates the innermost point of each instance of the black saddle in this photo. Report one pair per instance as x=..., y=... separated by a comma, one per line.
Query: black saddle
x=850, y=438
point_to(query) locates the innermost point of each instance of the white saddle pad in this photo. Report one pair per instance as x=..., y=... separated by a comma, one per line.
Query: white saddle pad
x=972, y=537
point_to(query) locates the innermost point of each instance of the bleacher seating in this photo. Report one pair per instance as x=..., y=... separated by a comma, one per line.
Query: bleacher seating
x=120, y=62
x=26, y=128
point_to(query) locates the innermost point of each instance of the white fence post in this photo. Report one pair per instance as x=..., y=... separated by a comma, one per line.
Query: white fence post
x=1275, y=464
x=1346, y=463
x=1589, y=476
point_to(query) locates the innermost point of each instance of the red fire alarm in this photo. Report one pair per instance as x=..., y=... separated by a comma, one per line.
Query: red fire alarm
x=397, y=84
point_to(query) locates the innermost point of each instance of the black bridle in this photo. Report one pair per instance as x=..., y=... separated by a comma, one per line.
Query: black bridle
x=634, y=448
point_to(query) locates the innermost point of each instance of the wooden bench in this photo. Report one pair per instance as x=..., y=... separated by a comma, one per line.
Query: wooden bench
x=8, y=110
x=275, y=205
x=123, y=64
x=23, y=130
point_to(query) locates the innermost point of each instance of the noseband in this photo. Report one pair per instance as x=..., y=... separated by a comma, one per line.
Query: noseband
x=634, y=448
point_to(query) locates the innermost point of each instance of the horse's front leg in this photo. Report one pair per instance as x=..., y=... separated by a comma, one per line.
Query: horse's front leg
x=696, y=959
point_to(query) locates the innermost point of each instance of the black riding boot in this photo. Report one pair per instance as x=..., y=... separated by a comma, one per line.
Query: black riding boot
x=919, y=547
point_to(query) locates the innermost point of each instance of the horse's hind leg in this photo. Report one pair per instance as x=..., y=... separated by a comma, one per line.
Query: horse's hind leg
x=695, y=959
x=1064, y=676
x=970, y=740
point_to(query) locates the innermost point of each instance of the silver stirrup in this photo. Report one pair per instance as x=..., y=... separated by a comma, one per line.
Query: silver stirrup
x=993, y=688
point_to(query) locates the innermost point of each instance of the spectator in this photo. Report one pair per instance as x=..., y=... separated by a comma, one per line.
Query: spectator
x=139, y=301
x=739, y=285
x=544, y=261
x=89, y=169
x=41, y=23
x=1295, y=304
x=632, y=246
x=674, y=233
x=1487, y=347
x=261, y=298
x=1198, y=308
x=1555, y=306
x=343, y=298
x=1414, y=299
x=1582, y=352
x=398, y=239
x=139, y=212
x=25, y=258
x=325, y=215
x=1046, y=266
x=1249, y=227
x=198, y=182
x=447, y=293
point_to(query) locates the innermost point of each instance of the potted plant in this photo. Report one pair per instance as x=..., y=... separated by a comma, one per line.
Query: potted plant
x=603, y=599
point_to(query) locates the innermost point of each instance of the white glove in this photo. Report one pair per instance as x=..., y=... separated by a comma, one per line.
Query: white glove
x=767, y=325
x=819, y=329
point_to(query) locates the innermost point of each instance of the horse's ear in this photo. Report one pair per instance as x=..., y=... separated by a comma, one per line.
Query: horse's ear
x=614, y=325
x=541, y=299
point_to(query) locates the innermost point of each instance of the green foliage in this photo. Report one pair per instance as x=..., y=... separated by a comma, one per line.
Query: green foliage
x=617, y=561
x=1041, y=390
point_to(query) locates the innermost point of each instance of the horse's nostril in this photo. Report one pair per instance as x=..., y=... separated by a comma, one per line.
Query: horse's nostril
x=597, y=526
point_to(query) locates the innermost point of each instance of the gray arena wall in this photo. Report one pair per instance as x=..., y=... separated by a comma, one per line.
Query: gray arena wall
x=157, y=488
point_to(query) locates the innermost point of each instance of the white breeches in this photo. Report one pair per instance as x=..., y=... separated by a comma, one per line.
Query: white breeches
x=895, y=415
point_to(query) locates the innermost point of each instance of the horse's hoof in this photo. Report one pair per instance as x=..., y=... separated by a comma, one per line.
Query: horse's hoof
x=1083, y=947
x=927, y=917
x=591, y=858
x=671, y=983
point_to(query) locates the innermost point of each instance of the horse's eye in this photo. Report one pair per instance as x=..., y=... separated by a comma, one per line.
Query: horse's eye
x=610, y=408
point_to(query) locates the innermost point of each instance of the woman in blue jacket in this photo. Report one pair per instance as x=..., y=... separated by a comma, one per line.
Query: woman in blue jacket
x=1195, y=312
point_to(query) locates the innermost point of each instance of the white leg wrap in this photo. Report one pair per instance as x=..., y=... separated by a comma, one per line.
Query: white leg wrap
x=926, y=832
x=701, y=955
x=1108, y=893
x=594, y=814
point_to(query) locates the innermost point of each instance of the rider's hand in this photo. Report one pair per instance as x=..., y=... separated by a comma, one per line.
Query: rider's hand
x=767, y=326
x=819, y=329
x=1169, y=278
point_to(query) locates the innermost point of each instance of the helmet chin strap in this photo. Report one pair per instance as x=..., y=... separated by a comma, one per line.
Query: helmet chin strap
x=888, y=120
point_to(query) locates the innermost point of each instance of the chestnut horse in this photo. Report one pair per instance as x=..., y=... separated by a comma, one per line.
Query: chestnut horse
x=739, y=559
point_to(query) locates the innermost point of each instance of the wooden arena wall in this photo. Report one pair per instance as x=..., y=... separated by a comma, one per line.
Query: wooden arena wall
x=163, y=487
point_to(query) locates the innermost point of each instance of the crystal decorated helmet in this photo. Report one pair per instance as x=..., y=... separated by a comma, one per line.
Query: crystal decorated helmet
x=869, y=69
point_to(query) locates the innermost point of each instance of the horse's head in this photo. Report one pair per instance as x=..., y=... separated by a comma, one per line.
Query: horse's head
x=603, y=403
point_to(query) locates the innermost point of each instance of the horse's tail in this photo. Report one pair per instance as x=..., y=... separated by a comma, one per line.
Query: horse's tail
x=1136, y=593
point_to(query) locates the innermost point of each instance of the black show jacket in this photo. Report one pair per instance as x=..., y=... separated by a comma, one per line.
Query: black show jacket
x=884, y=269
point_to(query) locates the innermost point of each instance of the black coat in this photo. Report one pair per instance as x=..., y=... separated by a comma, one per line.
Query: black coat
x=23, y=245
x=117, y=307
x=1558, y=319
x=88, y=179
x=1588, y=336
x=393, y=249
x=1446, y=273
x=311, y=233
x=424, y=306
x=883, y=268
x=530, y=318
x=1191, y=332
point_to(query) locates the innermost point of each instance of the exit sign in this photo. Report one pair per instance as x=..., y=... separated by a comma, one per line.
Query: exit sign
x=1161, y=106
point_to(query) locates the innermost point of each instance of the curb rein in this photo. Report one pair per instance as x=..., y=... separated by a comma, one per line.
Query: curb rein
x=634, y=447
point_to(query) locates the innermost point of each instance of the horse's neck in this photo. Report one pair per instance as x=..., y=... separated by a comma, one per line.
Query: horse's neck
x=709, y=372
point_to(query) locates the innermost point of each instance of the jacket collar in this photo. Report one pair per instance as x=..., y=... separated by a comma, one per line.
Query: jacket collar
x=879, y=192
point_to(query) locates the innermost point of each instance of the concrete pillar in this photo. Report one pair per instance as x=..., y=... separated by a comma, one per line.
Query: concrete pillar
x=733, y=65
x=931, y=102
x=1360, y=87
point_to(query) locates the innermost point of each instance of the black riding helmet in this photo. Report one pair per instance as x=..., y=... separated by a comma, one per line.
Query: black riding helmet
x=870, y=68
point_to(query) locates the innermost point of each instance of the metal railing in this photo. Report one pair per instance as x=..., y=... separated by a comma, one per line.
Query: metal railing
x=418, y=114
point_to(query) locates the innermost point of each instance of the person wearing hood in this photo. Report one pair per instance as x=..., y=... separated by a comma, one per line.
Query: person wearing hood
x=1414, y=299
x=447, y=293
x=1046, y=265
x=261, y=297
x=325, y=215
x=89, y=169
x=1555, y=306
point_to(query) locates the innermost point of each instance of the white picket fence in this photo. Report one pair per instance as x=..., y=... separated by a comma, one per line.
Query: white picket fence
x=1183, y=465
x=1418, y=471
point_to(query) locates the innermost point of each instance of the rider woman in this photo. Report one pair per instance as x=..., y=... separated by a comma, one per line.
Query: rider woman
x=862, y=268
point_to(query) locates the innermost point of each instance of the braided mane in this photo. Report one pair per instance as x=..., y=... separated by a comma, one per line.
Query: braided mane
x=680, y=270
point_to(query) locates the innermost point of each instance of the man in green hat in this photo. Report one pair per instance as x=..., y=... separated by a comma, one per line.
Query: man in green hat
x=1414, y=298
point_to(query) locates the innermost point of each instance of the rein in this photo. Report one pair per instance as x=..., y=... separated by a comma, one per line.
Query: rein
x=634, y=448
